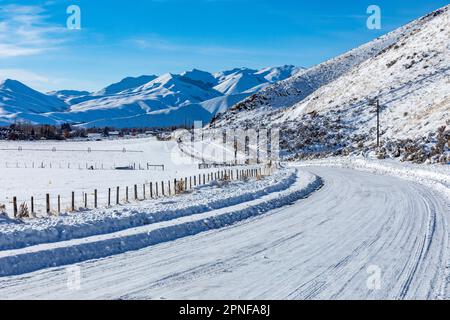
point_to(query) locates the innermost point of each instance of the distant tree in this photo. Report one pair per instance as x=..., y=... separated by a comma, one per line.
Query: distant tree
x=66, y=126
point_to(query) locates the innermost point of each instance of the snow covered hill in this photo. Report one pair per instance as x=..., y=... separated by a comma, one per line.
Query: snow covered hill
x=20, y=101
x=328, y=109
x=68, y=96
x=145, y=101
x=125, y=84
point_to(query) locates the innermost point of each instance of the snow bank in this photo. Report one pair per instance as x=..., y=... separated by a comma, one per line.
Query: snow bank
x=101, y=221
x=62, y=253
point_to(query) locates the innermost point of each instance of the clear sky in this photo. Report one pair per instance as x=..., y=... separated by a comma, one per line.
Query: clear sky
x=121, y=38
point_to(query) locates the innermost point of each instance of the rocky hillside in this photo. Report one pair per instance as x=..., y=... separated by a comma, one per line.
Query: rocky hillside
x=330, y=110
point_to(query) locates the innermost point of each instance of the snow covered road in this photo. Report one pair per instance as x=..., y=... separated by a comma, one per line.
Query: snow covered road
x=319, y=247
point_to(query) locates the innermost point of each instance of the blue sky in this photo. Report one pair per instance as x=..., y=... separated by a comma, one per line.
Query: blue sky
x=130, y=38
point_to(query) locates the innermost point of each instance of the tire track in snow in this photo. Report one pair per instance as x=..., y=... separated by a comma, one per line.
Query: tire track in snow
x=319, y=247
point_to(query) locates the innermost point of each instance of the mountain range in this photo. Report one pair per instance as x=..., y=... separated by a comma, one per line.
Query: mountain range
x=145, y=101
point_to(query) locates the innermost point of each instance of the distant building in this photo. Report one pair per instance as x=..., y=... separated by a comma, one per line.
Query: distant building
x=94, y=136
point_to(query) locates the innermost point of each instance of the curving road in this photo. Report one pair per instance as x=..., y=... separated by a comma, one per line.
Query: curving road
x=324, y=247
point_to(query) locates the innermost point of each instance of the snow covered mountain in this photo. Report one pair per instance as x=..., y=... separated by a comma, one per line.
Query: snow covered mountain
x=125, y=84
x=68, y=96
x=145, y=101
x=19, y=101
x=329, y=109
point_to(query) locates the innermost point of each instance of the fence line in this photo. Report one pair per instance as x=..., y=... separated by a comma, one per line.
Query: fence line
x=75, y=202
x=90, y=165
x=54, y=149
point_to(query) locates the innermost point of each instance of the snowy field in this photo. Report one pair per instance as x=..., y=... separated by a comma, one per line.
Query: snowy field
x=64, y=168
x=312, y=230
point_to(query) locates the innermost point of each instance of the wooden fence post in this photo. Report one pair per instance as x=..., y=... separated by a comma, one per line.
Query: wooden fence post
x=15, y=206
x=162, y=188
x=117, y=196
x=126, y=194
x=135, y=192
x=85, y=200
x=59, y=203
x=185, y=184
x=95, y=199
x=156, y=189
x=32, y=204
x=151, y=190
x=143, y=191
x=175, y=185
x=109, y=197
x=73, y=201
x=48, y=203
x=195, y=181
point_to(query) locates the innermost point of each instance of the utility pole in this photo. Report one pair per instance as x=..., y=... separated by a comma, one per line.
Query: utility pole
x=378, y=123
x=376, y=104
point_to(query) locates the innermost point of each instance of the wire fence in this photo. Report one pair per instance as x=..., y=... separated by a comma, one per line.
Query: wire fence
x=52, y=204
x=92, y=165
x=88, y=150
